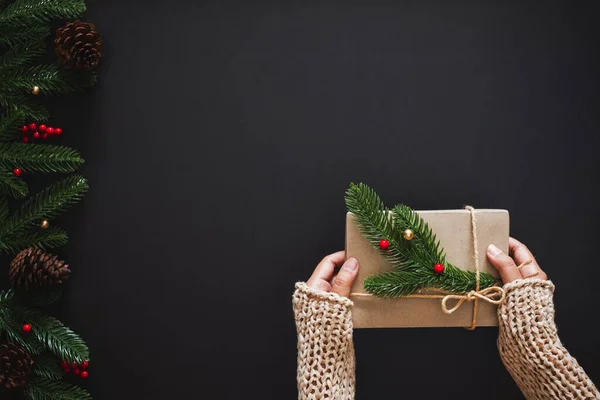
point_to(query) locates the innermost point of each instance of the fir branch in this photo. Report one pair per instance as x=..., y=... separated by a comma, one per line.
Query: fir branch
x=21, y=54
x=10, y=124
x=12, y=326
x=43, y=389
x=57, y=338
x=43, y=239
x=46, y=204
x=23, y=104
x=424, y=249
x=22, y=13
x=26, y=34
x=39, y=158
x=374, y=221
x=51, y=79
x=11, y=185
x=4, y=211
x=47, y=366
x=394, y=284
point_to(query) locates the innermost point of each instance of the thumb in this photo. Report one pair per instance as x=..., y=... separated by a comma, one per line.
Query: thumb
x=503, y=263
x=345, y=278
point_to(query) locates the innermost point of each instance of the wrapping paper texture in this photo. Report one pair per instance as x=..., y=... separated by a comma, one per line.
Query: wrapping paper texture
x=453, y=230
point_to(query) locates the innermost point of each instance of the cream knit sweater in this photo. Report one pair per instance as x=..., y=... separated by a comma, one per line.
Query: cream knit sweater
x=527, y=342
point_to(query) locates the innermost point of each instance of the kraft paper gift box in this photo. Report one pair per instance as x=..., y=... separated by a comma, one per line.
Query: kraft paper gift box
x=453, y=230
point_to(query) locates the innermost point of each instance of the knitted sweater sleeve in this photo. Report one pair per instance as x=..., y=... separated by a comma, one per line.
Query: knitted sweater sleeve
x=325, y=348
x=530, y=348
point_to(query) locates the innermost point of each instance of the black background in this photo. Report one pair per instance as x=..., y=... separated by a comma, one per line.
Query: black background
x=220, y=141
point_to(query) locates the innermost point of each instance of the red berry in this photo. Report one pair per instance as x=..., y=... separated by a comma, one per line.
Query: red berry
x=384, y=244
x=36, y=135
x=67, y=370
x=84, y=364
x=25, y=129
x=74, y=366
x=25, y=139
x=58, y=131
x=45, y=135
x=42, y=128
x=438, y=268
x=32, y=127
x=76, y=371
x=85, y=374
x=50, y=130
x=26, y=328
x=64, y=364
x=17, y=172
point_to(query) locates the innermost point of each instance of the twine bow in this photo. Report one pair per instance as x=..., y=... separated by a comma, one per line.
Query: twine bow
x=494, y=295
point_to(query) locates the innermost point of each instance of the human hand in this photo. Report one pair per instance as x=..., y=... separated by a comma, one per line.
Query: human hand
x=323, y=277
x=506, y=264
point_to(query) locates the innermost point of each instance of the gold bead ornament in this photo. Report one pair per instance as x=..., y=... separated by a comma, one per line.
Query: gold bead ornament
x=45, y=224
x=408, y=234
x=35, y=90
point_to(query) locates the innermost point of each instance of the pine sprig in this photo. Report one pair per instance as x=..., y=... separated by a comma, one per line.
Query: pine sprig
x=22, y=13
x=43, y=389
x=45, y=239
x=49, y=78
x=48, y=203
x=57, y=338
x=27, y=34
x=13, y=102
x=11, y=185
x=39, y=157
x=21, y=54
x=4, y=212
x=413, y=260
x=374, y=221
x=47, y=367
x=9, y=125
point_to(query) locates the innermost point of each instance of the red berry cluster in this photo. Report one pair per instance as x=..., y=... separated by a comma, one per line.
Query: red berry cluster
x=76, y=369
x=38, y=132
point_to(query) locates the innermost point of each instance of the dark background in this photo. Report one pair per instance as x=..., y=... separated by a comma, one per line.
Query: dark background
x=220, y=141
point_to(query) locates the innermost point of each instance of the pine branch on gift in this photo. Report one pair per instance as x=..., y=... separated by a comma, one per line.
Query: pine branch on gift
x=412, y=248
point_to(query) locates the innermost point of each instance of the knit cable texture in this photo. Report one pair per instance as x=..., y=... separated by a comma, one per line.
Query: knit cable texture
x=530, y=348
x=325, y=349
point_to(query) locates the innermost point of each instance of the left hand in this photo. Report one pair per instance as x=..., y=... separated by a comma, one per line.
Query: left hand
x=323, y=279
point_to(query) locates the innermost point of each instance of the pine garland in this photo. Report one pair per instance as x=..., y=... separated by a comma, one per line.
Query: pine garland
x=25, y=26
x=412, y=260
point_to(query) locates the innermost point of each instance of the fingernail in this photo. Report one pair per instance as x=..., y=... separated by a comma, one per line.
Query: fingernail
x=351, y=264
x=493, y=250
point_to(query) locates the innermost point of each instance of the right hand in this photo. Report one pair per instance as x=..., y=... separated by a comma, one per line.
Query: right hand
x=323, y=277
x=506, y=264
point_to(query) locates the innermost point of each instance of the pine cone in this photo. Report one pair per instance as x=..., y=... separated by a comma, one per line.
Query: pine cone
x=78, y=45
x=33, y=268
x=15, y=365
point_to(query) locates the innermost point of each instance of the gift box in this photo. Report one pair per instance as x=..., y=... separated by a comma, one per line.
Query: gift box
x=454, y=230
